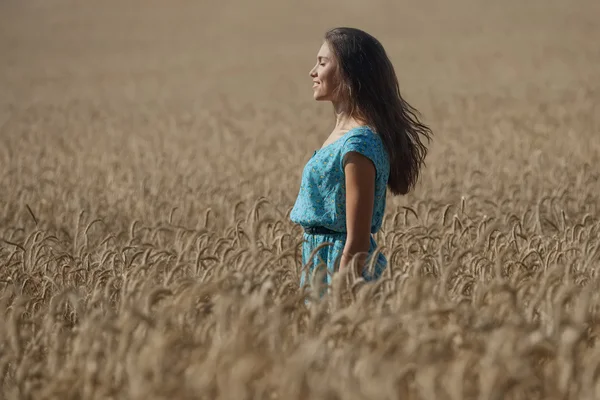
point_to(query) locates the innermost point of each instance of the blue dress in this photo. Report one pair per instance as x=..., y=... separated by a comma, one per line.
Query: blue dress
x=321, y=200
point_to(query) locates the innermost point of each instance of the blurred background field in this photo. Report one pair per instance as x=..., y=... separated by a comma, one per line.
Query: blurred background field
x=183, y=127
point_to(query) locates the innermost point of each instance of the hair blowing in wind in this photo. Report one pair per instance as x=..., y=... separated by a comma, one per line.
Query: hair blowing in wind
x=369, y=84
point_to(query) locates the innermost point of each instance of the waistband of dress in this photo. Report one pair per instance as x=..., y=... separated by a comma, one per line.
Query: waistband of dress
x=320, y=230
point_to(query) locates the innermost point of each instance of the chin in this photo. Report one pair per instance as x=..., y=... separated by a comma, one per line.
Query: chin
x=319, y=97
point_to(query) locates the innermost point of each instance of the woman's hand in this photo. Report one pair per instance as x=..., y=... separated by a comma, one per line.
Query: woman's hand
x=348, y=256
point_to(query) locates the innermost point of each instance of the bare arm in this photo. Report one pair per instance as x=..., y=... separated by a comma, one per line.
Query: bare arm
x=360, y=198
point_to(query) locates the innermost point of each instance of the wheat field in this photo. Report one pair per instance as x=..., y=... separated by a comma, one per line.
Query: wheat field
x=151, y=154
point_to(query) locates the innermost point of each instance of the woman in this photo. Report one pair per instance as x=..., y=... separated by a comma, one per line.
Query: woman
x=375, y=145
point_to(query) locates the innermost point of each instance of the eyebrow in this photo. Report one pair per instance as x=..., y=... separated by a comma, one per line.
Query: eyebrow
x=323, y=58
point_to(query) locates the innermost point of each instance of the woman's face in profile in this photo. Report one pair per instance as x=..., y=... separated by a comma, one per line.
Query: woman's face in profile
x=324, y=74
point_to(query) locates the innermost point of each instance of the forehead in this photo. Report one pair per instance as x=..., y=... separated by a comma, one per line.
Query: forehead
x=324, y=51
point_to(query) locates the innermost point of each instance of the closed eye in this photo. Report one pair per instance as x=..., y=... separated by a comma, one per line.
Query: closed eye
x=321, y=60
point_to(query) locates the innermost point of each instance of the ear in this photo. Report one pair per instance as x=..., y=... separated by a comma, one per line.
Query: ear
x=342, y=91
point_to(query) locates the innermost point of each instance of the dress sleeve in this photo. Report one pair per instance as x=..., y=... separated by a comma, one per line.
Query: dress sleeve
x=365, y=145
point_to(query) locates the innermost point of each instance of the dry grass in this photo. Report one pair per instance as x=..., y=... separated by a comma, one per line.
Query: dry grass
x=150, y=157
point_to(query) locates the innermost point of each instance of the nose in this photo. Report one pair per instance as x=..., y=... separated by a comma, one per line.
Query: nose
x=313, y=72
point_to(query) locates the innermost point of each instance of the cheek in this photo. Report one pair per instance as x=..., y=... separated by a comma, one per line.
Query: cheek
x=328, y=77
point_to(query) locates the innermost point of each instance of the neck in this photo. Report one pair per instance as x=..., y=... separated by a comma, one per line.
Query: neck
x=343, y=119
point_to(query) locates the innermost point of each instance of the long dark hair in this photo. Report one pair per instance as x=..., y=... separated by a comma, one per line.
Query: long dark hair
x=369, y=83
